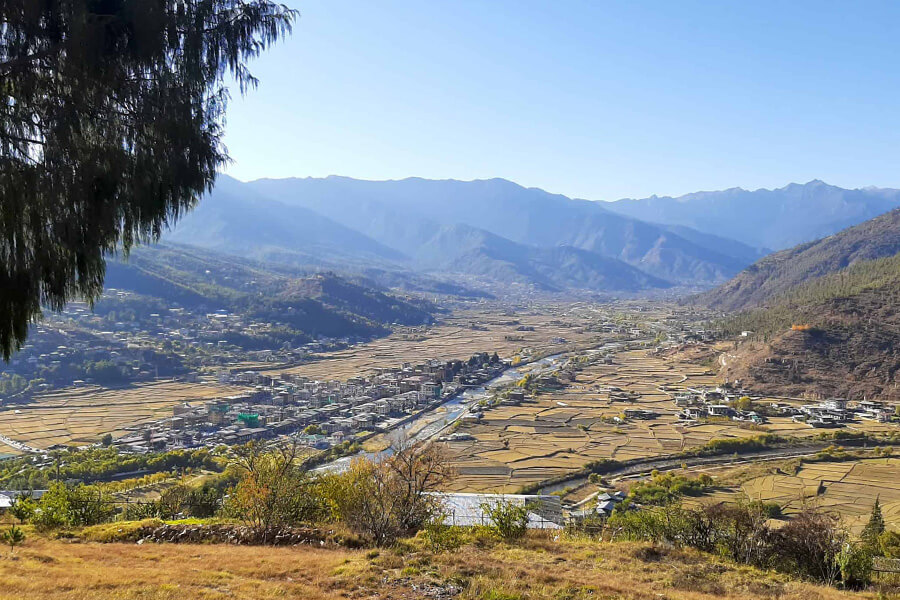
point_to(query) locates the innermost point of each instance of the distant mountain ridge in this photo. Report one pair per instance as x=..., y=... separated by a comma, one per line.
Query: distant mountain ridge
x=488, y=229
x=776, y=219
x=764, y=281
x=496, y=230
x=402, y=214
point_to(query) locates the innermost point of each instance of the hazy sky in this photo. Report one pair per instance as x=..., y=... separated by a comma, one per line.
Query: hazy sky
x=592, y=99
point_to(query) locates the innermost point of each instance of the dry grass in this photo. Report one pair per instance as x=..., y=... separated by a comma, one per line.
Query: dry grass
x=537, y=568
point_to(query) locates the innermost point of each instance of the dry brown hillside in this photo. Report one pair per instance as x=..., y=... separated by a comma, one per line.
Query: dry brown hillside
x=536, y=568
x=851, y=349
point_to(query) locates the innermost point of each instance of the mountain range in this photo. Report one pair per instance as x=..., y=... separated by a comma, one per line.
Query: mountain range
x=770, y=219
x=499, y=232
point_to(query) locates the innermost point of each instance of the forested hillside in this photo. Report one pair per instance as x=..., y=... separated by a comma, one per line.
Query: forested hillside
x=837, y=335
x=766, y=280
x=308, y=305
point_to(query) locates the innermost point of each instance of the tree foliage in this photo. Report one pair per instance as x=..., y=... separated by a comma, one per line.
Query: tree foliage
x=385, y=499
x=12, y=537
x=273, y=492
x=111, y=122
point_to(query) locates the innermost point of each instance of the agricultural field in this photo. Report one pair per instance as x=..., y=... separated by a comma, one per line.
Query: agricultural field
x=78, y=416
x=7, y=451
x=848, y=488
x=560, y=431
x=460, y=335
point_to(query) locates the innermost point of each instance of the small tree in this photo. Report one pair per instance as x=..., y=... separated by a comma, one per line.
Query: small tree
x=809, y=544
x=383, y=500
x=23, y=507
x=273, y=492
x=874, y=528
x=14, y=536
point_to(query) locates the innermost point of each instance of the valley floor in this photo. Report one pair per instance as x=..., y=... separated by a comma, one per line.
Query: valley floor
x=560, y=430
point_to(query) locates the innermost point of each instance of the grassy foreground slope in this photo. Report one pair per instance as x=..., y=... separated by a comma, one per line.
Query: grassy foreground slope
x=537, y=567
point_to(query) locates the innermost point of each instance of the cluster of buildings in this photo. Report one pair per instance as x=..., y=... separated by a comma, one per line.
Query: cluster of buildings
x=145, y=342
x=321, y=413
x=719, y=402
x=724, y=402
x=835, y=412
x=606, y=502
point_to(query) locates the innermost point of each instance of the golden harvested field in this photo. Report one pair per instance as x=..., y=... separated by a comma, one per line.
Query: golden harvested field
x=848, y=488
x=560, y=431
x=7, y=450
x=536, y=568
x=81, y=415
x=453, y=339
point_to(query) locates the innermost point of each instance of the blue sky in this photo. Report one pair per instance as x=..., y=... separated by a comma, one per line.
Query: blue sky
x=598, y=100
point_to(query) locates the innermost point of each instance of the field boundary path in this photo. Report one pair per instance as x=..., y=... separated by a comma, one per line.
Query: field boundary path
x=668, y=463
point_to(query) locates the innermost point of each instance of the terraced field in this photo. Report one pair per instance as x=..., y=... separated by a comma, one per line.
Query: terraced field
x=82, y=415
x=848, y=488
x=458, y=337
x=560, y=431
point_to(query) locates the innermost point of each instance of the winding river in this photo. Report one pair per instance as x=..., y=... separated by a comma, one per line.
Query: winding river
x=454, y=408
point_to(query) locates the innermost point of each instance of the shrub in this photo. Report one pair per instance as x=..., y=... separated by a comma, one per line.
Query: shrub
x=771, y=510
x=65, y=506
x=738, y=445
x=855, y=564
x=139, y=511
x=507, y=519
x=811, y=545
x=441, y=537
x=889, y=544
x=390, y=498
x=667, y=487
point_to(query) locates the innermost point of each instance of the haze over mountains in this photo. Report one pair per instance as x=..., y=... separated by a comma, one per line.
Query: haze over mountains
x=495, y=230
x=774, y=219
x=767, y=280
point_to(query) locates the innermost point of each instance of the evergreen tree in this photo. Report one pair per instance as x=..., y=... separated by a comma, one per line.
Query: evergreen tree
x=111, y=121
x=875, y=527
